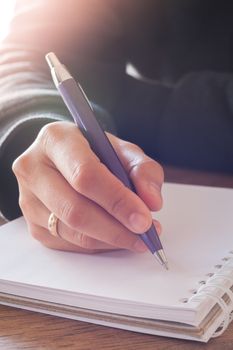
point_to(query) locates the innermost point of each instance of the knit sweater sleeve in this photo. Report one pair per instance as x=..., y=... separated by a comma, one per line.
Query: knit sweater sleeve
x=28, y=99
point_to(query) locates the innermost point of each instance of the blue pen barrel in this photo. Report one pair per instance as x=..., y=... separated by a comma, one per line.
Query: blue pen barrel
x=78, y=106
x=81, y=111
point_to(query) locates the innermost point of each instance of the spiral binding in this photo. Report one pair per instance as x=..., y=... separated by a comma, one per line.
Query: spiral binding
x=225, y=273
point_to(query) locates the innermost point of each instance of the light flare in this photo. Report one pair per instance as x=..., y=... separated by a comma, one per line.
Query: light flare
x=6, y=12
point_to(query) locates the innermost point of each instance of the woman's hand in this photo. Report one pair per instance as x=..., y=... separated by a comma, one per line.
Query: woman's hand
x=59, y=173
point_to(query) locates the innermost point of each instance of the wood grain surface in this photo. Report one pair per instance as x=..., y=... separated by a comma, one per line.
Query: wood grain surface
x=20, y=329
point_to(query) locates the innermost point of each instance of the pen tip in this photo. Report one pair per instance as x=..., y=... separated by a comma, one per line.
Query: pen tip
x=52, y=59
x=160, y=256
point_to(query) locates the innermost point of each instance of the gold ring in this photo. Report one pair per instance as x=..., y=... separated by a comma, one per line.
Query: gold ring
x=52, y=225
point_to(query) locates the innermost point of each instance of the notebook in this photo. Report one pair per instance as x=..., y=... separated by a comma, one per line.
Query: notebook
x=192, y=300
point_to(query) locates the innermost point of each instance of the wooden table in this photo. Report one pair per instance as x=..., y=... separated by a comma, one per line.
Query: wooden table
x=21, y=329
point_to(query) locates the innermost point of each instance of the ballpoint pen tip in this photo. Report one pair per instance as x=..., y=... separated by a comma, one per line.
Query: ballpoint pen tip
x=51, y=59
x=160, y=256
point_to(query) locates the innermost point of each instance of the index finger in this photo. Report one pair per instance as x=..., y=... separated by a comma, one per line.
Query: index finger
x=146, y=174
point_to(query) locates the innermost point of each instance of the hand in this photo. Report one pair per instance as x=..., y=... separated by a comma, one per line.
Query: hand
x=59, y=173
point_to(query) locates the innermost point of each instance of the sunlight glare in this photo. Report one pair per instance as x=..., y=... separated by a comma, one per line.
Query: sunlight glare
x=6, y=11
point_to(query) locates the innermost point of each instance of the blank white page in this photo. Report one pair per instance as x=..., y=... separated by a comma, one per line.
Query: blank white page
x=197, y=233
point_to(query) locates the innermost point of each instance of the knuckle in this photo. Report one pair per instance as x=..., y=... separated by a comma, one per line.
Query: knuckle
x=44, y=132
x=24, y=205
x=83, y=240
x=73, y=216
x=48, y=134
x=21, y=166
x=83, y=176
x=118, y=202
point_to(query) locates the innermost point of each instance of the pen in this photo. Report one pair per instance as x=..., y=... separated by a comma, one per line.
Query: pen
x=82, y=113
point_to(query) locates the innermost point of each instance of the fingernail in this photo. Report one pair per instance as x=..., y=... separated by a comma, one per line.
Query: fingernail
x=139, y=223
x=154, y=189
x=140, y=247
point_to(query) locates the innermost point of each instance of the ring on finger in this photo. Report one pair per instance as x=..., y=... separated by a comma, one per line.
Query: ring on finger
x=52, y=225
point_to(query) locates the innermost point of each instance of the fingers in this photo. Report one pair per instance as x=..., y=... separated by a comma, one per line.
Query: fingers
x=146, y=174
x=84, y=172
x=36, y=215
x=81, y=239
x=79, y=213
x=42, y=235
